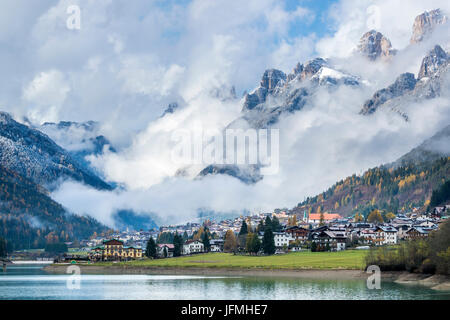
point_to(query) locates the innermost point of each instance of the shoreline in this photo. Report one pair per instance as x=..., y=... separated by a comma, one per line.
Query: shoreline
x=205, y=271
x=435, y=282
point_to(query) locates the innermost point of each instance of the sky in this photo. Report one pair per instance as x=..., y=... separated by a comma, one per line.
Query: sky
x=130, y=59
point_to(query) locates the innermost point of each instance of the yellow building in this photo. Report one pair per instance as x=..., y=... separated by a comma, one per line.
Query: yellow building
x=115, y=250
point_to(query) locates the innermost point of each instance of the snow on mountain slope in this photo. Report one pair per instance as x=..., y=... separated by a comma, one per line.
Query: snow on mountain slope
x=433, y=80
x=34, y=155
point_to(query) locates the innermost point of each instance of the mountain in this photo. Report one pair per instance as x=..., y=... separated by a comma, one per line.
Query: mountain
x=29, y=217
x=432, y=63
x=124, y=219
x=436, y=147
x=398, y=187
x=171, y=108
x=34, y=155
x=374, y=45
x=278, y=95
x=80, y=140
x=404, y=83
x=247, y=174
x=425, y=24
x=433, y=78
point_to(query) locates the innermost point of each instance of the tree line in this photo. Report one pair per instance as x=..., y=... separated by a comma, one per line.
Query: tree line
x=440, y=195
x=386, y=189
x=430, y=255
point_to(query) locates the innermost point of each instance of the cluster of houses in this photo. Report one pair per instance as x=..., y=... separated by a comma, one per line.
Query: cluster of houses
x=326, y=231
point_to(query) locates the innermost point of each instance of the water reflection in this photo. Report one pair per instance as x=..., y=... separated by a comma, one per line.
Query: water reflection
x=31, y=282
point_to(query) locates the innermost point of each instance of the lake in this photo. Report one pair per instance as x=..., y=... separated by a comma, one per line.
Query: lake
x=31, y=282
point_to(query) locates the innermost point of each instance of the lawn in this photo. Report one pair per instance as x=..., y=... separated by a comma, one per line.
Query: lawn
x=349, y=259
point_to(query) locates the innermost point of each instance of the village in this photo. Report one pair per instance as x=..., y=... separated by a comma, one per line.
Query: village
x=290, y=233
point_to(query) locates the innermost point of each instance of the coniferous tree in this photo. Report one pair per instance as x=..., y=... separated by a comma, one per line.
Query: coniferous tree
x=165, y=237
x=150, y=251
x=56, y=248
x=267, y=222
x=276, y=226
x=242, y=235
x=268, y=242
x=322, y=220
x=244, y=228
x=177, y=244
x=253, y=244
x=3, y=248
x=260, y=226
x=205, y=240
x=440, y=195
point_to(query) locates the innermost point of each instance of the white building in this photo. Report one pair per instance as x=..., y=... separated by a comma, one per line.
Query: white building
x=193, y=246
x=282, y=239
x=386, y=235
x=216, y=245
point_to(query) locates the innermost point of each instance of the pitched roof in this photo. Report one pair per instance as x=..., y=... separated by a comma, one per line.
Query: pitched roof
x=418, y=229
x=386, y=228
x=326, y=216
x=113, y=242
x=192, y=241
x=168, y=245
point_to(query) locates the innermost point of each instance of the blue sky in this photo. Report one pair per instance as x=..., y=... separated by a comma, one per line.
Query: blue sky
x=320, y=26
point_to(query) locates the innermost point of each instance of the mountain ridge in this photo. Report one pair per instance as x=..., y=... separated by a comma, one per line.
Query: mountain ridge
x=34, y=155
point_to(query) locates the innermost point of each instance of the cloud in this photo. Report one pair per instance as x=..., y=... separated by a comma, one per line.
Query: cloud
x=46, y=92
x=351, y=19
x=143, y=74
x=288, y=54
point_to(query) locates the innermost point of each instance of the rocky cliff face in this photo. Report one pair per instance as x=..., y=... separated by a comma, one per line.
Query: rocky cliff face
x=271, y=79
x=425, y=24
x=432, y=62
x=405, y=82
x=278, y=93
x=171, y=108
x=374, y=45
x=433, y=77
x=247, y=174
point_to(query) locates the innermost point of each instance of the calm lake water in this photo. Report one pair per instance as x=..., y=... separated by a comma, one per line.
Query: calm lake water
x=31, y=282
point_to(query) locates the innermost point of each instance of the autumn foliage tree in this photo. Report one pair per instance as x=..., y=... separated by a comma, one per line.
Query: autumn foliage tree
x=253, y=244
x=390, y=216
x=375, y=217
x=292, y=222
x=359, y=217
x=230, y=243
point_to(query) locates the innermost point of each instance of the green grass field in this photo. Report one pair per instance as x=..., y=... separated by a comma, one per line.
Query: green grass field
x=349, y=259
